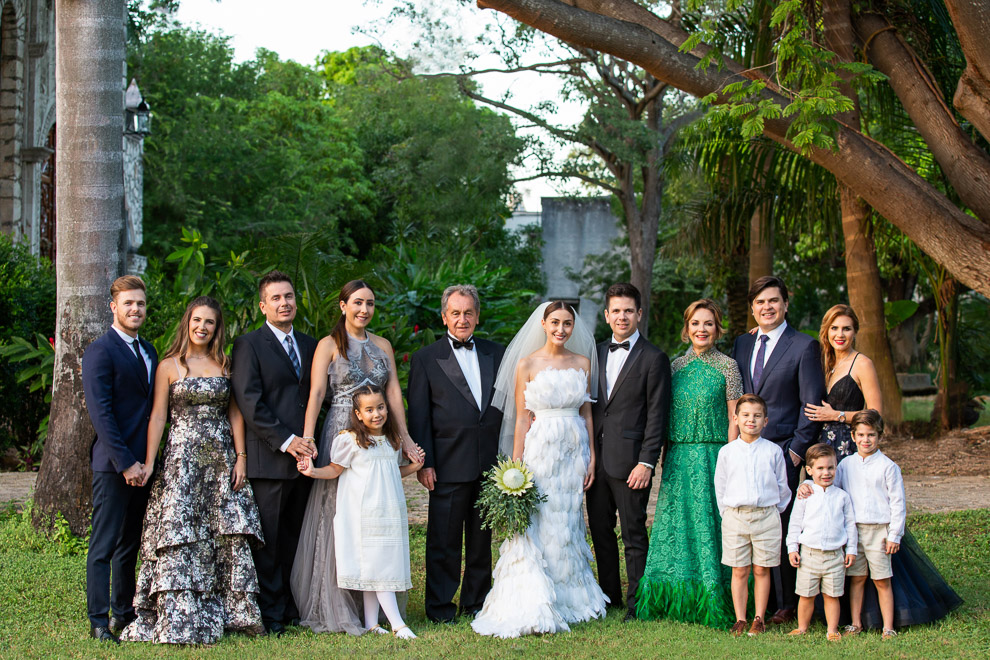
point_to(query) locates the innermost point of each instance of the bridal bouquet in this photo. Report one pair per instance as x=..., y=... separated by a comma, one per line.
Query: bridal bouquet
x=509, y=498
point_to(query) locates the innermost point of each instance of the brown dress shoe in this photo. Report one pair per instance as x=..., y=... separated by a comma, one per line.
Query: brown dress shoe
x=739, y=628
x=782, y=616
x=757, y=627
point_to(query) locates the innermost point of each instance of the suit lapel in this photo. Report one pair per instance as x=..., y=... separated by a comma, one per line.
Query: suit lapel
x=778, y=352
x=487, y=364
x=602, y=379
x=634, y=353
x=273, y=343
x=747, y=360
x=448, y=364
x=127, y=356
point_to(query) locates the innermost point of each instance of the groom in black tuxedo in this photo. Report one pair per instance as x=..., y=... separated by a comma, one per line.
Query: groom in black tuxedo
x=630, y=411
x=270, y=377
x=451, y=417
x=783, y=366
x=118, y=373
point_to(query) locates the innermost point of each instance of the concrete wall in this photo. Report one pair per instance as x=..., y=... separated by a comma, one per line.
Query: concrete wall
x=574, y=228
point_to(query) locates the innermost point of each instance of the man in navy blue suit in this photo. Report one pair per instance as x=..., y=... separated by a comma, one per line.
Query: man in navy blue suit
x=118, y=372
x=783, y=366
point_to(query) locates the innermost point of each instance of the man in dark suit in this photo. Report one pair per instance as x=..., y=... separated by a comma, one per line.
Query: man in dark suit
x=271, y=377
x=630, y=411
x=118, y=372
x=783, y=366
x=451, y=417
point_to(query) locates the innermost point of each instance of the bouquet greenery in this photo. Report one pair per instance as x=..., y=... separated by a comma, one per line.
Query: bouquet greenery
x=509, y=498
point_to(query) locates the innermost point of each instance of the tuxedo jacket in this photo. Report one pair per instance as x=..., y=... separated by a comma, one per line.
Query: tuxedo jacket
x=118, y=398
x=460, y=440
x=631, y=426
x=271, y=398
x=792, y=377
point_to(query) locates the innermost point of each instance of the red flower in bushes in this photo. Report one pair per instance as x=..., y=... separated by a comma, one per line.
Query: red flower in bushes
x=51, y=340
x=416, y=329
x=405, y=358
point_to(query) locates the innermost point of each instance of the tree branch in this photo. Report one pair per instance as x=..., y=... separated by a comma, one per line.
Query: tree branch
x=571, y=175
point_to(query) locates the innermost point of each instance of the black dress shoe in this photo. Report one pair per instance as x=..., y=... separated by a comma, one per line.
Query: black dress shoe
x=294, y=621
x=117, y=624
x=630, y=616
x=103, y=634
x=444, y=622
x=274, y=628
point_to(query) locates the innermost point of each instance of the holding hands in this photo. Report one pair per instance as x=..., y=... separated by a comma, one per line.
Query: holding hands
x=305, y=466
x=136, y=475
x=301, y=448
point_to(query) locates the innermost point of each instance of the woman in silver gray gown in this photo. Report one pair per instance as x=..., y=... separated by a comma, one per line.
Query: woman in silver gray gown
x=351, y=357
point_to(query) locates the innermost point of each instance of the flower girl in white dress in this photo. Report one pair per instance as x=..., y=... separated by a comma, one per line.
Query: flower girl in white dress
x=370, y=528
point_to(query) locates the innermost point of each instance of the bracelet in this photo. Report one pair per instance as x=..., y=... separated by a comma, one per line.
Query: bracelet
x=242, y=453
x=308, y=437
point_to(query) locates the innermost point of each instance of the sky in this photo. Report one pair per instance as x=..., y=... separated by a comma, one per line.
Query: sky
x=301, y=29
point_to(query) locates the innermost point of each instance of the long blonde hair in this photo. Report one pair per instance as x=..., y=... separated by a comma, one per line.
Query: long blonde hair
x=828, y=353
x=181, y=342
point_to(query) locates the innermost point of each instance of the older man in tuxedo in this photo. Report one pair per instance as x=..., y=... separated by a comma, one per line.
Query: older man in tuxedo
x=118, y=373
x=451, y=417
x=783, y=366
x=270, y=377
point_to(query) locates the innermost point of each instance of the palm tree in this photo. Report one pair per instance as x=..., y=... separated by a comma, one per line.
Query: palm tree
x=90, y=199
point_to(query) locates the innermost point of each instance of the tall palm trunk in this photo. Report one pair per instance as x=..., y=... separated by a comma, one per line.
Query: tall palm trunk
x=862, y=273
x=89, y=51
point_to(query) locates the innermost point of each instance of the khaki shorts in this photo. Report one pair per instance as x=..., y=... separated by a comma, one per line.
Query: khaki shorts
x=751, y=535
x=821, y=571
x=870, y=553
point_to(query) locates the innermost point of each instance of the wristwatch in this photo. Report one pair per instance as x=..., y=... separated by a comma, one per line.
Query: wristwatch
x=842, y=417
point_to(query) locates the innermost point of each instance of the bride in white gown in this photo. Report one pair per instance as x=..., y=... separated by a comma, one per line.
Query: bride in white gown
x=543, y=578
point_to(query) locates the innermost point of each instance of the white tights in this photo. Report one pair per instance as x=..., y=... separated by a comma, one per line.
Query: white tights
x=391, y=608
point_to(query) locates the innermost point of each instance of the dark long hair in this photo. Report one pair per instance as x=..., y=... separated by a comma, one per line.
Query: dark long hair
x=559, y=304
x=181, y=342
x=390, y=430
x=339, y=332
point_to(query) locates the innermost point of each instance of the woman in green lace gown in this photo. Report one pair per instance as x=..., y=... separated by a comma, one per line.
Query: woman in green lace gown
x=684, y=578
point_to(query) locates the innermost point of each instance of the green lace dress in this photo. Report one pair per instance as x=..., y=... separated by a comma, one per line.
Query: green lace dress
x=684, y=578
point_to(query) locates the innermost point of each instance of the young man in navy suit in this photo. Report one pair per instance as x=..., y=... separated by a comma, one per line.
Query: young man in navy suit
x=118, y=372
x=783, y=366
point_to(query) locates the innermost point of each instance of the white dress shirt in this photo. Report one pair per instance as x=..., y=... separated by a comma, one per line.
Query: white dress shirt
x=141, y=352
x=280, y=336
x=751, y=474
x=614, y=362
x=468, y=361
x=877, y=490
x=773, y=338
x=824, y=521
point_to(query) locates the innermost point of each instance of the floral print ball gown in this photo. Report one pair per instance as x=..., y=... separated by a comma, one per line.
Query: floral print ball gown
x=197, y=576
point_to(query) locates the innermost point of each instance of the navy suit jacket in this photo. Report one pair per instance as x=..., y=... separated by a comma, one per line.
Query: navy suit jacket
x=792, y=378
x=118, y=398
x=460, y=440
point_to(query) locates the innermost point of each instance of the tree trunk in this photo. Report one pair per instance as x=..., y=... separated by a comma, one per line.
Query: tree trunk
x=866, y=297
x=961, y=243
x=862, y=273
x=760, y=257
x=952, y=394
x=89, y=192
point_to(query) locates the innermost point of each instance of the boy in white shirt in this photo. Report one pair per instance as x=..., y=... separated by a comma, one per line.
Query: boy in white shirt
x=821, y=525
x=876, y=487
x=751, y=491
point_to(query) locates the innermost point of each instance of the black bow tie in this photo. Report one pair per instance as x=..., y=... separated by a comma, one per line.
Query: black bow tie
x=614, y=346
x=469, y=344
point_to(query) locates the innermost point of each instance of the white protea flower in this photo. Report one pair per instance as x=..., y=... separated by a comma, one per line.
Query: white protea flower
x=513, y=477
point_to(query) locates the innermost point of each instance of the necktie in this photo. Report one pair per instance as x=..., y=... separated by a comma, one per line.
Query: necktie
x=761, y=356
x=140, y=359
x=614, y=346
x=469, y=344
x=293, y=356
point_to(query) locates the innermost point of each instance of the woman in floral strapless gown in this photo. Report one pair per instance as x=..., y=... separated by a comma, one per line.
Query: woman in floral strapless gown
x=543, y=580
x=351, y=357
x=197, y=576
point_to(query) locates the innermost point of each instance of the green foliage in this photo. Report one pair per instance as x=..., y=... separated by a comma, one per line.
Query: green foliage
x=27, y=309
x=18, y=531
x=38, y=374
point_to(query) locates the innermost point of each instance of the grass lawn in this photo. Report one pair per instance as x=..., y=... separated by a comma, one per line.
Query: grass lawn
x=42, y=615
x=919, y=409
